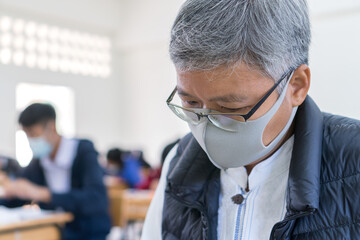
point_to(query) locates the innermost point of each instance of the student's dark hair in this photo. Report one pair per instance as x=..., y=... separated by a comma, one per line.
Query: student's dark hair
x=37, y=113
x=115, y=155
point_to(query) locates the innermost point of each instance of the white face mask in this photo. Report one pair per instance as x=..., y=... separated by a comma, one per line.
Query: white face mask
x=40, y=147
x=227, y=149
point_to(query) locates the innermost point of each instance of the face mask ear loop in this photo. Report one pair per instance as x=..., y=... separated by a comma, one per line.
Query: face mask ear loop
x=275, y=108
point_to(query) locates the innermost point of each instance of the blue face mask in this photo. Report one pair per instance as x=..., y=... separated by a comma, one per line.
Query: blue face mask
x=40, y=147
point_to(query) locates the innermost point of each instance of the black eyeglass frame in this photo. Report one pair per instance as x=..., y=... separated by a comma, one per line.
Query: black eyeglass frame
x=244, y=116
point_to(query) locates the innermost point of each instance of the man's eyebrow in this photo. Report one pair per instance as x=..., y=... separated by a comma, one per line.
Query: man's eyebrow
x=183, y=93
x=228, y=98
x=225, y=98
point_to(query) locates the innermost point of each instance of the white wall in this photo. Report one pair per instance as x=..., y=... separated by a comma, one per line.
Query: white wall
x=334, y=56
x=142, y=47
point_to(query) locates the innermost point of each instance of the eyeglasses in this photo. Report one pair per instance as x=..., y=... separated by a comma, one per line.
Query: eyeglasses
x=225, y=121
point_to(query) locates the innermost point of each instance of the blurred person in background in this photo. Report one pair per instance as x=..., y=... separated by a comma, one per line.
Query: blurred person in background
x=127, y=170
x=63, y=174
x=130, y=168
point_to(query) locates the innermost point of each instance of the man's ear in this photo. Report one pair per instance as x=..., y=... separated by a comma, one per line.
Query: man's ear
x=300, y=84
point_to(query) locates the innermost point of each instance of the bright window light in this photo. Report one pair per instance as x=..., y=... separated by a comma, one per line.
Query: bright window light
x=6, y=40
x=5, y=56
x=31, y=44
x=74, y=67
x=42, y=62
x=19, y=42
x=42, y=31
x=64, y=35
x=18, y=58
x=31, y=60
x=30, y=29
x=65, y=51
x=18, y=26
x=54, y=64
x=64, y=65
x=5, y=23
x=54, y=48
x=54, y=33
x=23, y=151
x=85, y=68
x=42, y=46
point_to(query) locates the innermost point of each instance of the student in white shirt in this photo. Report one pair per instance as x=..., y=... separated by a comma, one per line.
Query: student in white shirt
x=64, y=174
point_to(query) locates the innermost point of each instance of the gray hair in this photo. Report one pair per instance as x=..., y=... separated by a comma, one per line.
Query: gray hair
x=269, y=35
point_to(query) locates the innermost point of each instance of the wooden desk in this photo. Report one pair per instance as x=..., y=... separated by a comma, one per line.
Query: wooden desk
x=114, y=190
x=134, y=205
x=128, y=204
x=44, y=228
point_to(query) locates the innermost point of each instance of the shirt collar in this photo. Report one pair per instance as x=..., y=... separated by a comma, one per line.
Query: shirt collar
x=64, y=156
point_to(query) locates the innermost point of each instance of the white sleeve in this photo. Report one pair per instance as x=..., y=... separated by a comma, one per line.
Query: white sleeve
x=153, y=220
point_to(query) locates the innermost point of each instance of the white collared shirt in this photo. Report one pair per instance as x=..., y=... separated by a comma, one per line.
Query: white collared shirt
x=265, y=202
x=58, y=172
x=263, y=206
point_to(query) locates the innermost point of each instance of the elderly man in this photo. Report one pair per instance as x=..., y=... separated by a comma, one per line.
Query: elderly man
x=262, y=161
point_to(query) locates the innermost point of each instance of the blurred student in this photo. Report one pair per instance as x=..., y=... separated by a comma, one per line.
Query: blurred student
x=64, y=174
x=124, y=165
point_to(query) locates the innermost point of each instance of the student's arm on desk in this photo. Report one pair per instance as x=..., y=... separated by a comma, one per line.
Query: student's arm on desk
x=153, y=220
x=4, y=200
x=89, y=199
x=21, y=191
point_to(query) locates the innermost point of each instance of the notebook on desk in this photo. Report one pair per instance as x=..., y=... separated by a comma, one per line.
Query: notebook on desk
x=13, y=215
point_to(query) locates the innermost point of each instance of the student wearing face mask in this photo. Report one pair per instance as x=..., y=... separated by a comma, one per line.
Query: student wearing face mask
x=64, y=174
x=261, y=161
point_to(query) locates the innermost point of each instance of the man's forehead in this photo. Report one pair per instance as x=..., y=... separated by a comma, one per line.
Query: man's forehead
x=236, y=73
x=221, y=80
